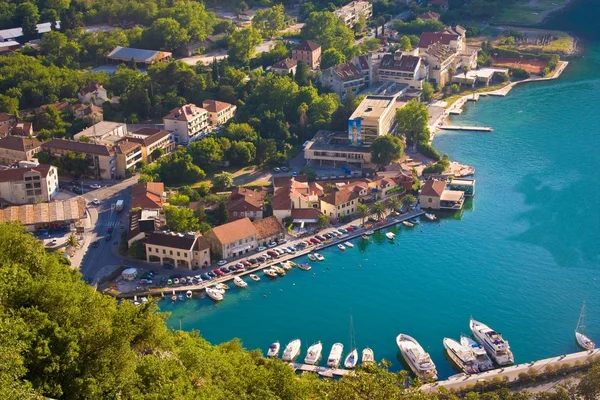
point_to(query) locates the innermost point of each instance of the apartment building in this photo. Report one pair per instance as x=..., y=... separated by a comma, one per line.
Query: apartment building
x=152, y=139
x=374, y=117
x=101, y=158
x=233, y=239
x=187, y=123
x=104, y=132
x=28, y=185
x=403, y=68
x=189, y=251
x=351, y=12
x=219, y=112
x=309, y=52
x=14, y=149
x=127, y=155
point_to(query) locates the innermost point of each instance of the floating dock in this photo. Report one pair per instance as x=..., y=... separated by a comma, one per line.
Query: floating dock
x=467, y=128
x=323, y=371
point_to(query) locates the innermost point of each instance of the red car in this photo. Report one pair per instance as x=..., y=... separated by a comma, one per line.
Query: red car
x=246, y=263
x=273, y=254
x=308, y=242
x=218, y=272
x=350, y=229
x=315, y=240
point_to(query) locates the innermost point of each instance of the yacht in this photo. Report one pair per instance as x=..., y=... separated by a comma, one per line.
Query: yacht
x=341, y=247
x=304, y=267
x=348, y=244
x=319, y=257
x=368, y=356
x=582, y=340
x=217, y=288
x=312, y=257
x=417, y=359
x=463, y=356
x=213, y=294
x=255, y=278
x=408, y=224
x=492, y=342
x=291, y=350
x=314, y=354
x=390, y=235
x=430, y=217
x=335, y=355
x=188, y=294
x=273, y=349
x=483, y=360
x=239, y=282
x=351, y=359
x=270, y=273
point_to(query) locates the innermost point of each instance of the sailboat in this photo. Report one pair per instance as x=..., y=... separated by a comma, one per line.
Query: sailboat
x=352, y=357
x=582, y=340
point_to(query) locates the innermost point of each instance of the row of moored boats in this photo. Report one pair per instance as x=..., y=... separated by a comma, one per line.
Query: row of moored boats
x=315, y=352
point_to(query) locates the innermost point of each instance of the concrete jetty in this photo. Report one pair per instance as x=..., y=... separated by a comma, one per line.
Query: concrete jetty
x=511, y=374
x=323, y=371
x=467, y=128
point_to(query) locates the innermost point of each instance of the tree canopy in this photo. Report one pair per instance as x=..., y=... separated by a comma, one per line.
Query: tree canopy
x=386, y=149
x=412, y=120
x=328, y=31
x=269, y=21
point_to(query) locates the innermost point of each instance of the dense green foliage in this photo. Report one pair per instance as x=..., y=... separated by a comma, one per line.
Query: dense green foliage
x=438, y=167
x=427, y=150
x=385, y=149
x=329, y=31
x=412, y=121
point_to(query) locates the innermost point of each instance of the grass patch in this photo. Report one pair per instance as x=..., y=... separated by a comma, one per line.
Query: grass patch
x=528, y=13
x=258, y=182
x=453, y=99
x=561, y=44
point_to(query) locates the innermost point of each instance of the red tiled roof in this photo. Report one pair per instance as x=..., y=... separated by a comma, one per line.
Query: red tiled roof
x=215, y=106
x=17, y=174
x=148, y=195
x=286, y=64
x=45, y=213
x=91, y=88
x=429, y=15
x=305, y=213
x=176, y=241
x=242, y=199
x=154, y=136
x=234, y=231
x=77, y=147
x=405, y=63
x=347, y=72
x=268, y=227
x=18, y=143
x=5, y=117
x=185, y=113
x=340, y=197
x=126, y=147
x=429, y=38
x=433, y=188
x=307, y=45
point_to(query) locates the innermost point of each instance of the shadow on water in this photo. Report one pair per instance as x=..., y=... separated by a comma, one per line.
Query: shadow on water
x=566, y=233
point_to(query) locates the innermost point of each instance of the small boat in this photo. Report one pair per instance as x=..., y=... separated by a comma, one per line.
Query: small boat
x=273, y=350
x=319, y=257
x=365, y=237
x=430, y=217
x=314, y=354
x=370, y=232
x=335, y=355
x=483, y=360
x=304, y=267
x=463, y=356
x=255, y=278
x=270, y=273
x=582, y=340
x=145, y=299
x=351, y=359
x=417, y=359
x=341, y=247
x=312, y=257
x=408, y=224
x=176, y=281
x=348, y=244
x=188, y=294
x=213, y=294
x=278, y=270
x=492, y=342
x=223, y=286
x=291, y=264
x=414, y=220
x=368, y=356
x=390, y=235
x=291, y=350
x=174, y=297
x=286, y=266
x=181, y=297
x=217, y=288
x=239, y=282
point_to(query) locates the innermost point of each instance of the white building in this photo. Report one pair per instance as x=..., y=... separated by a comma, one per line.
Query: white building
x=104, y=132
x=188, y=123
x=93, y=93
x=351, y=76
x=350, y=13
x=375, y=116
x=403, y=68
x=219, y=112
x=28, y=185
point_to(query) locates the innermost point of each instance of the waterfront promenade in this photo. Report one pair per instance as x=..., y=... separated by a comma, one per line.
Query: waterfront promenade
x=164, y=291
x=511, y=374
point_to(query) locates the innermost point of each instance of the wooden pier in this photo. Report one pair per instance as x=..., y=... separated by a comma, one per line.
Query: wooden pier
x=322, y=371
x=467, y=128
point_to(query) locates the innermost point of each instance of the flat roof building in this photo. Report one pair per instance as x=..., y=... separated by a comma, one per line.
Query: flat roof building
x=47, y=215
x=99, y=132
x=328, y=147
x=374, y=117
x=139, y=56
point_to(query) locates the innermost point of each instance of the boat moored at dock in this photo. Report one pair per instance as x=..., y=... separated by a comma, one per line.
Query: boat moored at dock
x=314, y=354
x=341, y=247
x=304, y=267
x=239, y=282
x=390, y=235
x=312, y=257
x=254, y=277
x=274, y=349
x=188, y=294
x=582, y=340
x=463, y=356
x=351, y=359
x=270, y=273
x=417, y=359
x=408, y=224
x=291, y=350
x=492, y=342
x=368, y=356
x=484, y=363
x=213, y=294
x=348, y=244
x=319, y=257
x=335, y=355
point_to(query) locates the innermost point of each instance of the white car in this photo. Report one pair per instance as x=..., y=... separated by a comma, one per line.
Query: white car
x=222, y=262
x=95, y=186
x=96, y=202
x=261, y=248
x=272, y=244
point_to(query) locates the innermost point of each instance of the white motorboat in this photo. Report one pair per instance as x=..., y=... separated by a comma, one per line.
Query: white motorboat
x=270, y=273
x=463, y=356
x=430, y=217
x=213, y=294
x=390, y=235
x=417, y=359
x=335, y=355
x=312, y=257
x=408, y=224
x=582, y=340
x=239, y=282
x=492, y=342
x=273, y=350
x=304, y=267
x=145, y=299
x=368, y=356
x=370, y=232
x=176, y=281
x=314, y=354
x=217, y=288
x=286, y=266
x=188, y=294
x=341, y=247
x=255, y=278
x=348, y=244
x=483, y=360
x=222, y=286
x=351, y=359
x=319, y=257
x=278, y=270
x=292, y=350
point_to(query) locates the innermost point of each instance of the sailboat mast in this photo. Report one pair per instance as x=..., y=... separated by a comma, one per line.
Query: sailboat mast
x=581, y=323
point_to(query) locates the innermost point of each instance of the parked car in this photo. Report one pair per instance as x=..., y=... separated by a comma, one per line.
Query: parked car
x=328, y=235
x=320, y=237
x=291, y=249
x=218, y=272
x=96, y=202
x=315, y=241
x=284, y=169
x=95, y=186
x=225, y=270
x=277, y=169
x=273, y=254
x=96, y=244
x=253, y=260
x=280, y=251
x=261, y=248
x=246, y=263
x=261, y=259
x=272, y=244
x=212, y=274
x=281, y=241
x=108, y=238
x=343, y=230
x=295, y=173
x=205, y=277
x=222, y=262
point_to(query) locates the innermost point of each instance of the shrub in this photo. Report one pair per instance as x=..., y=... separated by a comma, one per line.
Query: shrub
x=518, y=73
x=427, y=150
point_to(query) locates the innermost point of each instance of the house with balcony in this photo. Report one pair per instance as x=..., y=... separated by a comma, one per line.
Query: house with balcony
x=128, y=154
x=403, y=68
x=339, y=203
x=28, y=185
x=269, y=230
x=190, y=250
x=187, y=123
x=219, y=112
x=343, y=78
x=152, y=139
x=100, y=157
x=332, y=148
x=233, y=239
x=93, y=93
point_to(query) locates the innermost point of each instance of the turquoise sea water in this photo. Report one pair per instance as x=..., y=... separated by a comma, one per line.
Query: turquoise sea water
x=522, y=259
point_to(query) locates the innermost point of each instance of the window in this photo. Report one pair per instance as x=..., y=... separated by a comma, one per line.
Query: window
x=178, y=255
x=171, y=252
x=429, y=200
x=164, y=252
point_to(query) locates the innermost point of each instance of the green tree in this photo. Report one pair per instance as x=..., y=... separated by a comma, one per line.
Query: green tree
x=427, y=91
x=175, y=169
x=332, y=57
x=9, y=104
x=165, y=34
x=241, y=132
x=361, y=23
x=394, y=204
x=207, y=153
x=179, y=199
x=329, y=31
x=378, y=210
x=589, y=386
x=241, y=153
x=405, y=43
x=302, y=74
x=412, y=120
x=137, y=250
x=362, y=211
x=72, y=241
x=242, y=44
x=322, y=221
x=27, y=16
x=157, y=153
x=181, y=219
x=193, y=17
x=222, y=213
x=269, y=21
x=408, y=201
x=223, y=180
x=385, y=149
